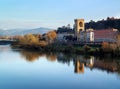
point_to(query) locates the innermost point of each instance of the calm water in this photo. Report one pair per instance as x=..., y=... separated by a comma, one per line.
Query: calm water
x=21, y=69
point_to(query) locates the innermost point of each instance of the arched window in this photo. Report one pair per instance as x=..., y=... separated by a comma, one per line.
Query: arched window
x=80, y=30
x=81, y=24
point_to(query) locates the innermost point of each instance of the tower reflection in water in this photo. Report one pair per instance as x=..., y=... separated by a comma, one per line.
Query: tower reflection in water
x=80, y=64
x=79, y=67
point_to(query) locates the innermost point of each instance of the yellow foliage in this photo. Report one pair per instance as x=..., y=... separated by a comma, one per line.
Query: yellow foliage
x=105, y=45
x=34, y=39
x=43, y=43
x=29, y=39
x=108, y=46
x=51, y=35
x=113, y=46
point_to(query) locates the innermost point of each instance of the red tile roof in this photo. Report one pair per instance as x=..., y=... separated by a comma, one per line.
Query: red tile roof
x=104, y=33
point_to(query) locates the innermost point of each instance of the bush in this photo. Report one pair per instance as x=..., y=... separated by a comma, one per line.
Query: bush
x=86, y=48
x=106, y=47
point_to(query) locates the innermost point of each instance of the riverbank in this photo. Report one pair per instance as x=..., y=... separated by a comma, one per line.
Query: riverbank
x=49, y=43
x=69, y=48
x=5, y=42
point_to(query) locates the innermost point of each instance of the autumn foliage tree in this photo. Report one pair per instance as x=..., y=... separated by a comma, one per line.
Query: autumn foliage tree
x=29, y=39
x=105, y=46
x=108, y=47
x=36, y=39
x=50, y=36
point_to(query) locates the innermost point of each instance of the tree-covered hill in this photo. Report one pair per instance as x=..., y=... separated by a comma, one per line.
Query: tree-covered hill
x=104, y=24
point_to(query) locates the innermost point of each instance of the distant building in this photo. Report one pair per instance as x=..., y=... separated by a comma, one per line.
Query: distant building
x=91, y=35
x=88, y=35
x=61, y=36
x=64, y=31
x=103, y=35
x=81, y=34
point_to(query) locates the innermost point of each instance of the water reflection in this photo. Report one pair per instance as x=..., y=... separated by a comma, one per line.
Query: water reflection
x=83, y=61
x=79, y=62
x=51, y=57
x=4, y=48
x=79, y=67
x=36, y=70
x=32, y=56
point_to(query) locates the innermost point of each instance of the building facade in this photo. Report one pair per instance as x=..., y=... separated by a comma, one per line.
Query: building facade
x=106, y=35
x=89, y=35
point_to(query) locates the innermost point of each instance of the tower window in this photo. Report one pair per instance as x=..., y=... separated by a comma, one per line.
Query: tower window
x=81, y=24
x=80, y=30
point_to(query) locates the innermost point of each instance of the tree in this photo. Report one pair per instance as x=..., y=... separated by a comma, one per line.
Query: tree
x=50, y=36
x=104, y=24
x=29, y=39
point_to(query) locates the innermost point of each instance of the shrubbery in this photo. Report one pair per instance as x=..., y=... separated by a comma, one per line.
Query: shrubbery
x=37, y=39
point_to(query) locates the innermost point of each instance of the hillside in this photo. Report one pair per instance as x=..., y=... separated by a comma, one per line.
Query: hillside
x=104, y=24
x=14, y=32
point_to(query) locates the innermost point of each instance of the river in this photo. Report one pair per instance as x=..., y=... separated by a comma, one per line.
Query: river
x=21, y=69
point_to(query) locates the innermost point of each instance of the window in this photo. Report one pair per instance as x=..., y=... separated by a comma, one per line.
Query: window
x=80, y=30
x=81, y=24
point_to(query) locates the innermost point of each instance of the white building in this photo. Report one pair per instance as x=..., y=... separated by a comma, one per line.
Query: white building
x=90, y=35
x=61, y=36
x=86, y=36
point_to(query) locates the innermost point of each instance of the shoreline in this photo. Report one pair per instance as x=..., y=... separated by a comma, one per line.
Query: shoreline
x=72, y=49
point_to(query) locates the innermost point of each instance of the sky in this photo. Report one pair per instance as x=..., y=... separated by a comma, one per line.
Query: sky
x=54, y=13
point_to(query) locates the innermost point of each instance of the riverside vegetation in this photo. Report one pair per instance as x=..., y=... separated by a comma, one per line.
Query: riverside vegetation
x=48, y=43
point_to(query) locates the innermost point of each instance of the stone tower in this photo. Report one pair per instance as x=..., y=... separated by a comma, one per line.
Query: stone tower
x=79, y=27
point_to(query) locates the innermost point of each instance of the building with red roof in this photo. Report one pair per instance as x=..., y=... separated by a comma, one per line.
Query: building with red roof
x=105, y=35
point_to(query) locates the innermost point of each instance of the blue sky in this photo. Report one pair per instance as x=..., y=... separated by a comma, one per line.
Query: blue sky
x=54, y=13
